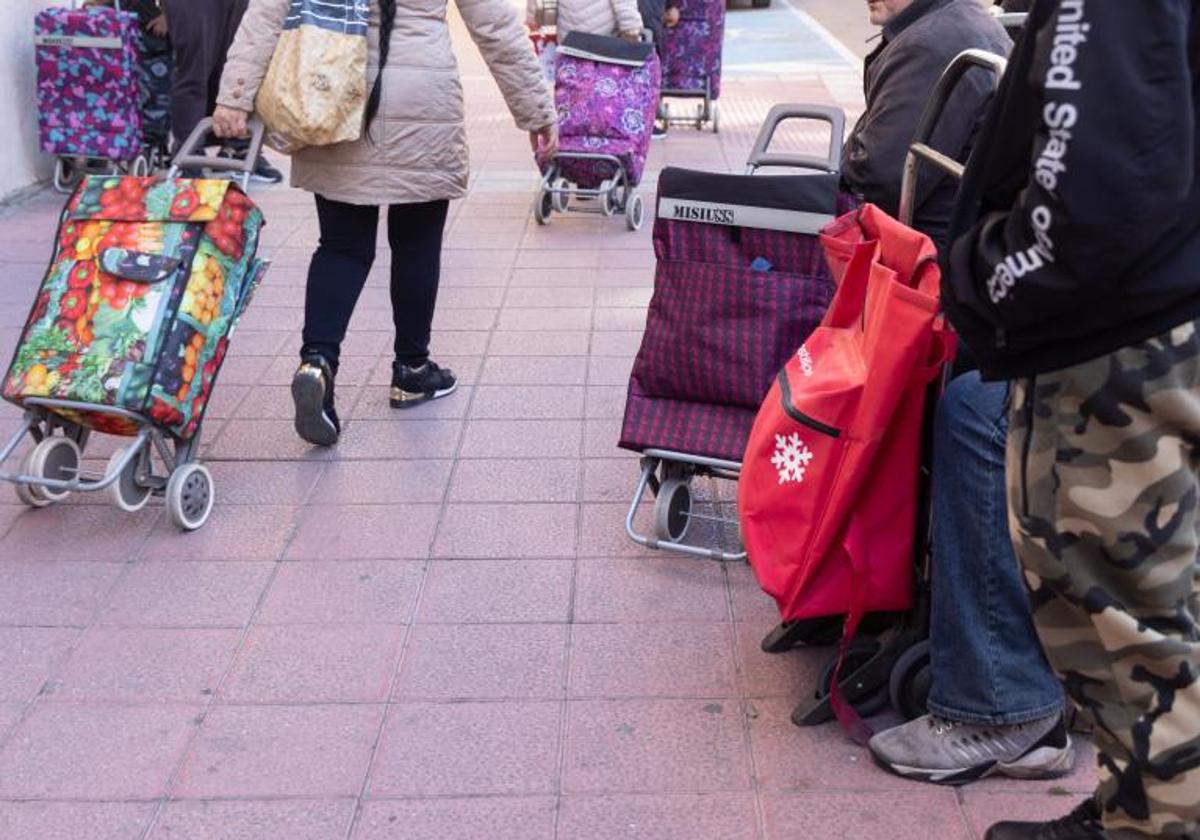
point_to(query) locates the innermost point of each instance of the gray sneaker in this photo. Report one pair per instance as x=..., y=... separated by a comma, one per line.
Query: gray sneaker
x=934, y=749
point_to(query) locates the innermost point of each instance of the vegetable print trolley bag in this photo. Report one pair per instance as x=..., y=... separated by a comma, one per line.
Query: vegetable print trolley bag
x=828, y=494
x=127, y=335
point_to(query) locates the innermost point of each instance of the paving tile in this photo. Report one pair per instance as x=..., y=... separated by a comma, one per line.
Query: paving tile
x=468, y=749
x=296, y=819
x=541, y=297
x=600, y=439
x=522, y=439
x=507, y=530
x=28, y=656
x=542, y=343
x=464, y=319
x=340, y=532
x=610, y=480
x=233, y=532
x=374, y=404
x=604, y=402
x=10, y=713
x=820, y=758
x=617, y=296
x=199, y=593
x=378, y=440
x=750, y=603
x=446, y=343
x=342, y=592
x=528, y=402
x=534, y=370
x=623, y=343
x=493, y=817
x=460, y=592
x=605, y=370
x=710, y=816
x=383, y=482
x=74, y=820
x=483, y=662
x=264, y=440
x=921, y=812
x=265, y=482
x=602, y=531
x=78, y=532
x=622, y=318
x=71, y=751
x=53, y=592
x=654, y=590
x=315, y=664
x=135, y=665
x=655, y=746
x=793, y=674
x=984, y=809
x=515, y=480
x=542, y=319
x=652, y=660
x=248, y=751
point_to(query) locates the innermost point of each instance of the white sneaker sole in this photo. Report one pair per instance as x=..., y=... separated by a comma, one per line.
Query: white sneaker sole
x=1042, y=763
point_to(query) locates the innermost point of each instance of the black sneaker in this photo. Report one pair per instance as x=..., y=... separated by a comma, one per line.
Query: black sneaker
x=659, y=132
x=412, y=386
x=265, y=173
x=312, y=392
x=1081, y=824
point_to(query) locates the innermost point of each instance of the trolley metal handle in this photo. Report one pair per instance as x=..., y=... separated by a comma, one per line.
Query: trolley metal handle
x=920, y=150
x=191, y=152
x=760, y=157
x=75, y=4
x=1012, y=20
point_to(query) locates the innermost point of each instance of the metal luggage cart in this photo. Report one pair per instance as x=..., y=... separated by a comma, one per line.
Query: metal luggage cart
x=670, y=475
x=53, y=468
x=893, y=666
x=613, y=195
x=707, y=111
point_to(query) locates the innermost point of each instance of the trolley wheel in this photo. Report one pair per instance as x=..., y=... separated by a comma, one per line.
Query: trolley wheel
x=716, y=118
x=56, y=458
x=909, y=684
x=635, y=212
x=672, y=509
x=30, y=494
x=126, y=493
x=560, y=199
x=607, y=206
x=543, y=204
x=140, y=167
x=66, y=175
x=859, y=654
x=809, y=631
x=190, y=495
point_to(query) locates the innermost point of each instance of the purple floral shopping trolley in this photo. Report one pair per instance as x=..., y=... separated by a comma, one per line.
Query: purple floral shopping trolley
x=89, y=91
x=692, y=63
x=741, y=281
x=606, y=90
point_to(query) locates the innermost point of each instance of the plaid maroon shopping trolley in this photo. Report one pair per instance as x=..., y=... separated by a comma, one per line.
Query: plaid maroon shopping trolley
x=740, y=283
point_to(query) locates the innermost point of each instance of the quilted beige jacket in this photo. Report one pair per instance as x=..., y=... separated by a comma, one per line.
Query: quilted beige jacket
x=595, y=17
x=417, y=149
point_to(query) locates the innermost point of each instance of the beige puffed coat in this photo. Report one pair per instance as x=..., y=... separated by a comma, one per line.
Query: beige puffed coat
x=595, y=17
x=417, y=149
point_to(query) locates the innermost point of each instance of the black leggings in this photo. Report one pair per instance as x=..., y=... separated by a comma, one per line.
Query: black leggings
x=343, y=259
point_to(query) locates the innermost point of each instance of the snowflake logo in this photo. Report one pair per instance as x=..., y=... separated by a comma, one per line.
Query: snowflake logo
x=791, y=458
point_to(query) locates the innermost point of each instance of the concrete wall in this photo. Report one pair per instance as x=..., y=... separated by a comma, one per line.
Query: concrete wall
x=20, y=162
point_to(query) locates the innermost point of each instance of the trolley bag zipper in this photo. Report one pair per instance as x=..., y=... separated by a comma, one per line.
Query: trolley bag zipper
x=798, y=415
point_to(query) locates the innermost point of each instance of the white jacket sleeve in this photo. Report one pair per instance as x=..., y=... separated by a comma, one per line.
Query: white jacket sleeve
x=629, y=19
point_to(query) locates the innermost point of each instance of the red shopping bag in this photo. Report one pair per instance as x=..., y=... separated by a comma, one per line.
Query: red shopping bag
x=829, y=483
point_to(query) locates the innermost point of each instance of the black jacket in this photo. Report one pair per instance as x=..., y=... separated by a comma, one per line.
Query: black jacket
x=1078, y=226
x=898, y=79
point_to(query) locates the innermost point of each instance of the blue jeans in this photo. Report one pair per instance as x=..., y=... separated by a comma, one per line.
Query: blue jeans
x=987, y=662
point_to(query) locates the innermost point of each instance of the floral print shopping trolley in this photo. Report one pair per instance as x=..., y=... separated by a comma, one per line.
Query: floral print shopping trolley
x=127, y=335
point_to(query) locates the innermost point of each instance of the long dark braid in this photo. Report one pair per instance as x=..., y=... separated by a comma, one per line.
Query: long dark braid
x=387, y=20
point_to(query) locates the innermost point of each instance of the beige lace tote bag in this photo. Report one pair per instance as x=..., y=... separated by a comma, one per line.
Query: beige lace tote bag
x=315, y=90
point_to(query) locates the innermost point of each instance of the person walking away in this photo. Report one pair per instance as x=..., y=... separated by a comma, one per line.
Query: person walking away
x=411, y=158
x=201, y=32
x=919, y=39
x=619, y=18
x=1075, y=271
x=658, y=16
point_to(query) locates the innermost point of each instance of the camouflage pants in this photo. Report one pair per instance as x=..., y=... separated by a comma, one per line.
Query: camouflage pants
x=1103, y=476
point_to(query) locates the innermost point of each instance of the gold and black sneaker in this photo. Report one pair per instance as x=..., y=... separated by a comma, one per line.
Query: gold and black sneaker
x=312, y=392
x=412, y=386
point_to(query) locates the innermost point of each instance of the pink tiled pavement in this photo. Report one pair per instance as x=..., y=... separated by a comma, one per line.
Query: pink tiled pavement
x=437, y=630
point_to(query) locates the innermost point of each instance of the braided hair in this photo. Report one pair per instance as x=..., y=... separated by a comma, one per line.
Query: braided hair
x=387, y=21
